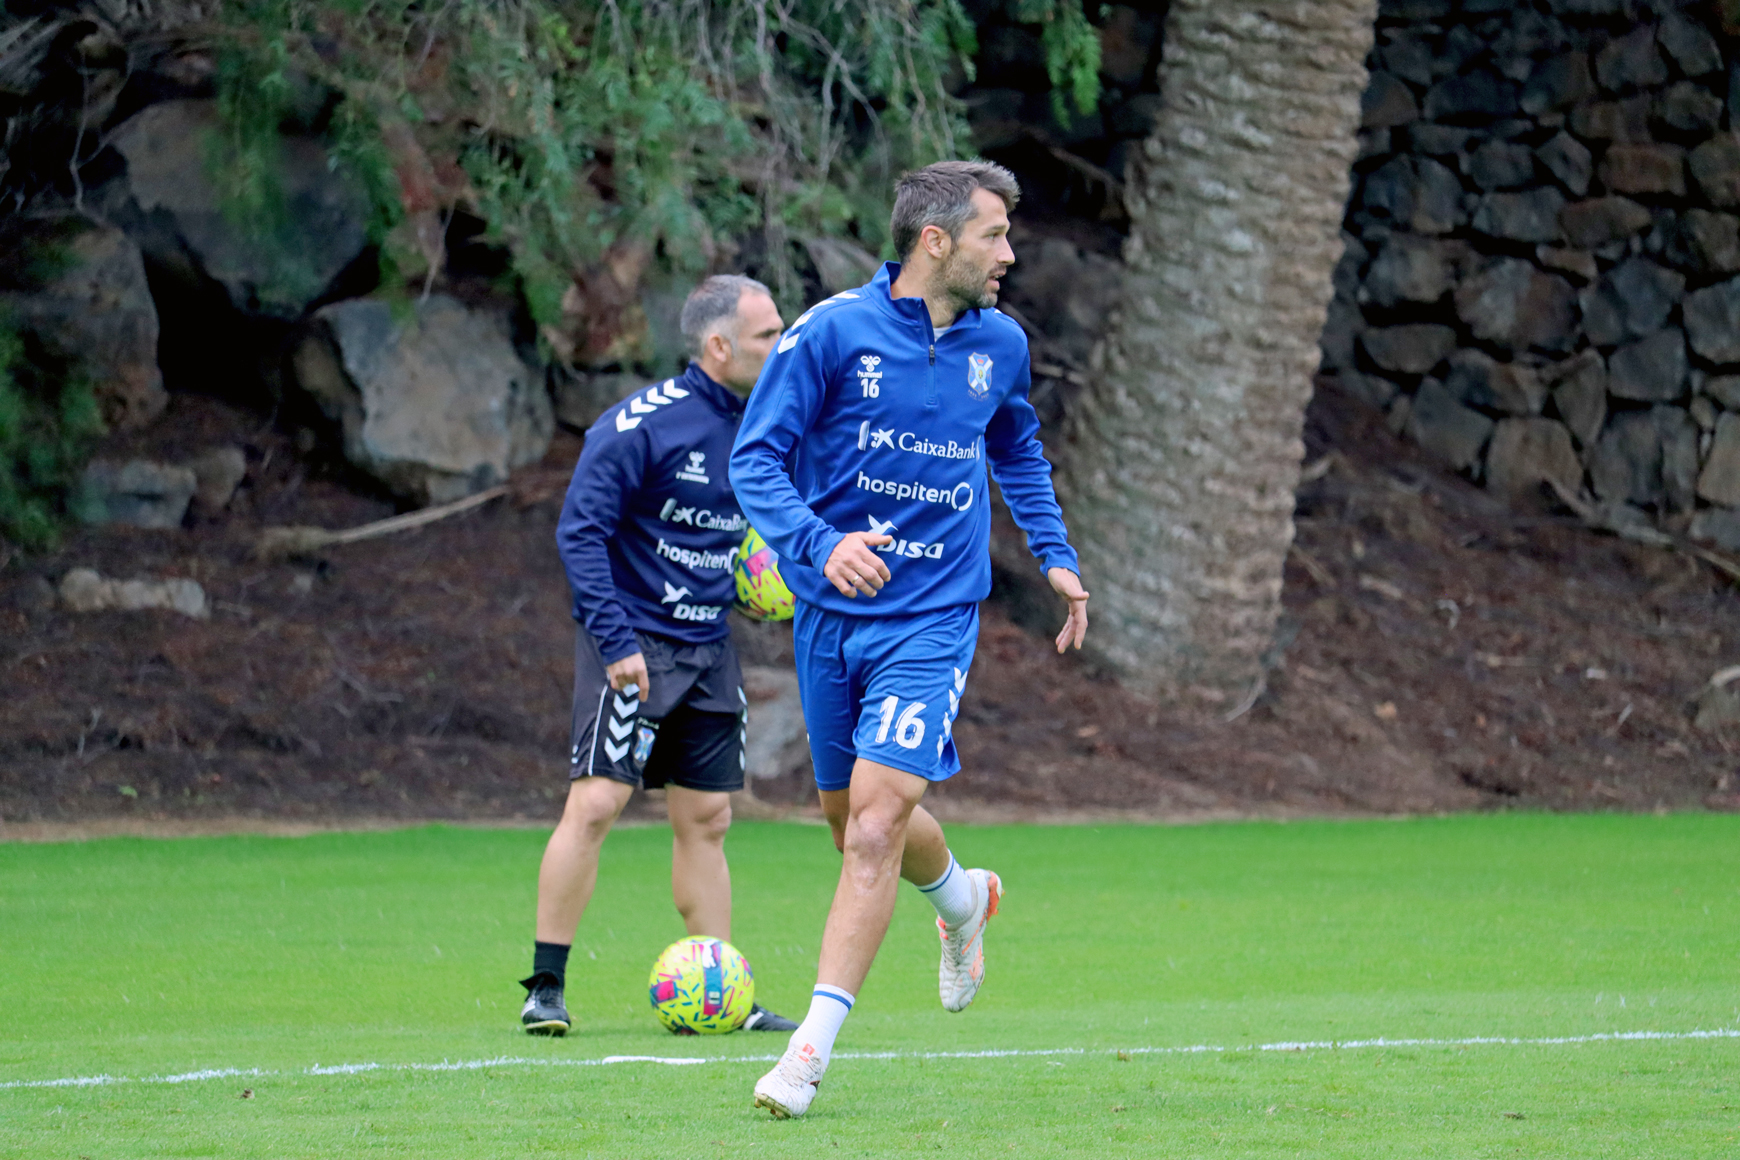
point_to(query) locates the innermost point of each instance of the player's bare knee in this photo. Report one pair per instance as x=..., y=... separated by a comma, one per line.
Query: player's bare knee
x=592, y=808
x=876, y=833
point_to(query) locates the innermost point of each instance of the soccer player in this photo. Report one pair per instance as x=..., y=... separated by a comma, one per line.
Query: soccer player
x=861, y=460
x=649, y=536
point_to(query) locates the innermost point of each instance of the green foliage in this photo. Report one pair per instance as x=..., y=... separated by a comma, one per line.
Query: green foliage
x=49, y=421
x=1072, y=51
x=588, y=128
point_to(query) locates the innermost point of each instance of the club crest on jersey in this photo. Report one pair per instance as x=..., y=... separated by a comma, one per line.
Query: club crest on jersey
x=978, y=375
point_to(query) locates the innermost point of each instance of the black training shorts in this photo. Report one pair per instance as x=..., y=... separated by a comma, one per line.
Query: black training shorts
x=687, y=730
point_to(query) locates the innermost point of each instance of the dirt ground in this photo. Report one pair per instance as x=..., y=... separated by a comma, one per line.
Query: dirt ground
x=1443, y=655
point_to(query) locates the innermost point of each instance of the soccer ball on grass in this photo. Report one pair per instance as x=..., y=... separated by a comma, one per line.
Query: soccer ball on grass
x=701, y=986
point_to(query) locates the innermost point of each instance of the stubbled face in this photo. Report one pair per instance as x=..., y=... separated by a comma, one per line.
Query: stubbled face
x=971, y=274
x=758, y=329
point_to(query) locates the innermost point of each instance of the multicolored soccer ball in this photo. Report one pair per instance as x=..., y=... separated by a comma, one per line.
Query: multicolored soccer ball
x=701, y=986
x=761, y=594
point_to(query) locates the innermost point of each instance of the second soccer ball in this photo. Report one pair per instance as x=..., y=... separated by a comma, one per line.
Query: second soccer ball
x=701, y=986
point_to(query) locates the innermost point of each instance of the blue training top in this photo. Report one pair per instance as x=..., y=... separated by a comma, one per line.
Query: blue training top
x=650, y=529
x=863, y=420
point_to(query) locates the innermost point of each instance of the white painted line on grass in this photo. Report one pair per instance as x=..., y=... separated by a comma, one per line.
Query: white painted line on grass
x=990, y=1053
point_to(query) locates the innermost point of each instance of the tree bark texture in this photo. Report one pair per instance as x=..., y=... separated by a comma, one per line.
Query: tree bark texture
x=1184, y=454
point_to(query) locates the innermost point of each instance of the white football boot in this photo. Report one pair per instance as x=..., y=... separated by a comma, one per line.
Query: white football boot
x=963, y=947
x=787, y=1090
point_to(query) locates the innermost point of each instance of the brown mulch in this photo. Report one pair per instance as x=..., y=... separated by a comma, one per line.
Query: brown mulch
x=1445, y=655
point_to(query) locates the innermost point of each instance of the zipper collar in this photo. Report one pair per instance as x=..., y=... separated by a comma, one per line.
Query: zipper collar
x=913, y=310
x=717, y=395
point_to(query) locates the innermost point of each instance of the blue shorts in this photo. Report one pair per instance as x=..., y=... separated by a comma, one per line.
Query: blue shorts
x=883, y=688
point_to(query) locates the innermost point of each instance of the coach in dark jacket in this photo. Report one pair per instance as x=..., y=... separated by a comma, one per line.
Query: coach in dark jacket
x=649, y=536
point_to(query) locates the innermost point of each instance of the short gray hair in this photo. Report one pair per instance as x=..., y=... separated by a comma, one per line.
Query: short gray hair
x=941, y=195
x=713, y=301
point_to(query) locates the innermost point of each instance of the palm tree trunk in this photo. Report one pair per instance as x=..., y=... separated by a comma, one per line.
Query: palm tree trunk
x=1184, y=454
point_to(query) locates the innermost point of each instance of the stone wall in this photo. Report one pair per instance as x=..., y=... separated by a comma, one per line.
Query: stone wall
x=1542, y=242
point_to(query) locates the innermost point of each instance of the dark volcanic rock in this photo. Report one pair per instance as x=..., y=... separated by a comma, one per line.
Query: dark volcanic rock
x=1704, y=241
x=1412, y=349
x=1558, y=82
x=1651, y=370
x=1689, y=108
x=1580, y=395
x=1715, y=167
x=1415, y=192
x=1713, y=321
x=94, y=313
x=1631, y=62
x=1527, y=452
x=1580, y=264
x=1690, y=44
x=1644, y=169
x=1511, y=303
x=1625, y=466
x=1632, y=300
x=1626, y=120
x=177, y=214
x=1473, y=98
x=1719, y=482
x=137, y=492
x=1501, y=165
x=1387, y=102
x=1445, y=428
x=1408, y=55
x=1482, y=381
x=1567, y=159
x=1679, y=456
x=1532, y=216
x=1440, y=140
x=1725, y=389
x=1592, y=224
x=1411, y=268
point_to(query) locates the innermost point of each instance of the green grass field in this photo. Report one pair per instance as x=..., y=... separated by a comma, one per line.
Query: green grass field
x=139, y=960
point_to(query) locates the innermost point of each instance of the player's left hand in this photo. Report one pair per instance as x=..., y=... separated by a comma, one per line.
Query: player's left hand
x=1068, y=585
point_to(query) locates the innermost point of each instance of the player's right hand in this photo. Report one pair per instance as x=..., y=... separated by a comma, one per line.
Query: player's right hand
x=628, y=673
x=853, y=567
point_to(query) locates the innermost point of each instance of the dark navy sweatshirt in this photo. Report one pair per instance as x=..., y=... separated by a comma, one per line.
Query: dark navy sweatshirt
x=865, y=420
x=650, y=528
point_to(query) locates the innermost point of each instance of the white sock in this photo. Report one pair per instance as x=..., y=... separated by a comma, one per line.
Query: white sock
x=952, y=894
x=815, y=1036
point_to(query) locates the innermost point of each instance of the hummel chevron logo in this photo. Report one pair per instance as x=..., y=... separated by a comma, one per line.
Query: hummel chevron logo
x=617, y=752
x=672, y=594
x=960, y=681
x=644, y=405
x=626, y=706
x=620, y=729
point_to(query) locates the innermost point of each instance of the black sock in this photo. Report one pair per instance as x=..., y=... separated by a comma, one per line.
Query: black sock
x=550, y=959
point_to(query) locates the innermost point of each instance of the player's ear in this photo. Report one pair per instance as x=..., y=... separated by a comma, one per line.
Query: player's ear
x=935, y=241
